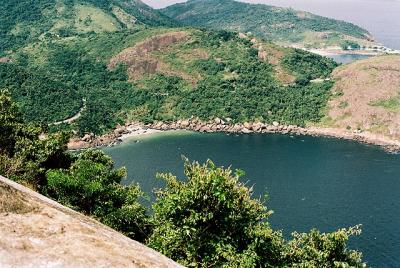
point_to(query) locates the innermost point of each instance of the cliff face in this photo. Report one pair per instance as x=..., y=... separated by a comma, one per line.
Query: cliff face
x=38, y=232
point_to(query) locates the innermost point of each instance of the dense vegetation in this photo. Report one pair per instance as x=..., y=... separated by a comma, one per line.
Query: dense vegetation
x=92, y=185
x=209, y=219
x=211, y=74
x=281, y=25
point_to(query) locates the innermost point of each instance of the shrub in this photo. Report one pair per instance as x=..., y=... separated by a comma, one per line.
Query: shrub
x=211, y=220
x=92, y=186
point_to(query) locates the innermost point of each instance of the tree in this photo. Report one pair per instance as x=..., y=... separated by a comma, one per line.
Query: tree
x=316, y=250
x=211, y=220
x=92, y=186
x=25, y=152
x=350, y=45
x=10, y=123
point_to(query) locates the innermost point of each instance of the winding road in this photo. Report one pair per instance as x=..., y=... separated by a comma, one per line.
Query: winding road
x=73, y=118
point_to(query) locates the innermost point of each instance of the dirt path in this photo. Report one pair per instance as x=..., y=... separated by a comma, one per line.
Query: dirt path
x=73, y=118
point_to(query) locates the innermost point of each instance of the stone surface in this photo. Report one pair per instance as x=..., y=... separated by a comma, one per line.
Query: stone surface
x=38, y=232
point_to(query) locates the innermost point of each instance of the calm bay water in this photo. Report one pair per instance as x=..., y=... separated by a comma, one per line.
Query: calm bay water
x=312, y=182
x=347, y=58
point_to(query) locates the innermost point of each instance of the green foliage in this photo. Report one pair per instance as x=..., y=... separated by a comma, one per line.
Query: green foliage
x=254, y=93
x=24, y=155
x=282, y=25
x=211, y=219
x=24, y=21
x=92, y=185
x=88, y=183
x=350, y=45
x=308, y=66
x=62, y=73
x=34, y=89
x=10, y=124
x=323, y=250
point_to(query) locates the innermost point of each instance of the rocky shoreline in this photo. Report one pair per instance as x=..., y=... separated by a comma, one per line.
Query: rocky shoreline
x=226, y=126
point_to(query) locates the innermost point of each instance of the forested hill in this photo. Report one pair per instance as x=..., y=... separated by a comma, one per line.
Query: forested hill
x=281, y=25
x=163, y=74
x=98, y=63
x=26, y=21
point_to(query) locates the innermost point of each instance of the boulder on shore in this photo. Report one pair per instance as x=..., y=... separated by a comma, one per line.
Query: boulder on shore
x=87, y=138
x=246, y=130
x=185, y=123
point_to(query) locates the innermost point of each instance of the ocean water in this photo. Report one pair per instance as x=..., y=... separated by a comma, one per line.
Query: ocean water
x=312, y=182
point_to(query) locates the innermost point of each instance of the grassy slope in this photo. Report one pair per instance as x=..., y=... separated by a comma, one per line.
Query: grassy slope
x=282, y=25
x=24, y=22
x=366, y=97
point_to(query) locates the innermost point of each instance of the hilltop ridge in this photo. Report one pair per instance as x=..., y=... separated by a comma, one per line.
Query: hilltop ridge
x=284, y=26
x=24, y=22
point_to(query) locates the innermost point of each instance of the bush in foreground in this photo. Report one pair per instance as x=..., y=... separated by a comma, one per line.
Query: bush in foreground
x=92, y=186
x=211, y=220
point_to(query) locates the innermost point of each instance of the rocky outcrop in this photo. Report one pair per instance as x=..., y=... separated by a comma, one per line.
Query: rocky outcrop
x=140, y=60
x=38, y=232
x=193, y=124
x=226, y=125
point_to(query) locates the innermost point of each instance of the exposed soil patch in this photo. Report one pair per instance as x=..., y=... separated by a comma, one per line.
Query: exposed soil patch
x=274, y=57
x=365, y=97
x=5, y=60
x=140, y=61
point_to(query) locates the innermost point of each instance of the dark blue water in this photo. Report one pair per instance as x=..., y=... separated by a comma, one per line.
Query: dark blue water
x=312, y=182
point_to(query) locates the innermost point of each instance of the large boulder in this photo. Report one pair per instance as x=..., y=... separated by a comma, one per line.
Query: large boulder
x=185, y=123
x=248, y=125
x=246, y=130
x=87, y=138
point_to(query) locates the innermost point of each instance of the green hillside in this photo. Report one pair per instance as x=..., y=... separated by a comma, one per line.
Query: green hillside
x=282, y=25
x=107, y=62
x=165, y=74
x=25, y=21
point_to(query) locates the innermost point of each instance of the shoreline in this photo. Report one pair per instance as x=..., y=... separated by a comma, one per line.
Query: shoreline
x=122, y=133
x=363, y=52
